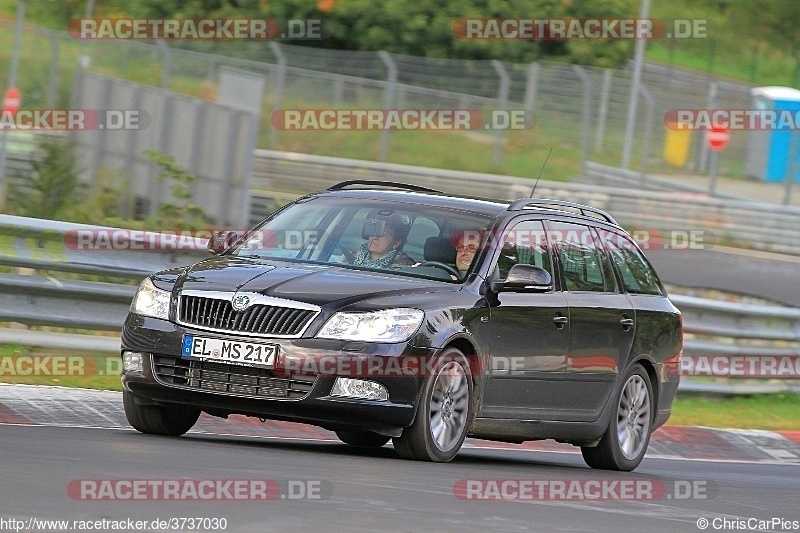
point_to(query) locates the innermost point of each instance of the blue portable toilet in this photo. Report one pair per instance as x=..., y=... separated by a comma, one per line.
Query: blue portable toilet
x=768, y=150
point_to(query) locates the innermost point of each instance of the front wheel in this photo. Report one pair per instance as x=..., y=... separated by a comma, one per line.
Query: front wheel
x=172, y=420
x=625, y=441
x=360, y=437
x=444, y=411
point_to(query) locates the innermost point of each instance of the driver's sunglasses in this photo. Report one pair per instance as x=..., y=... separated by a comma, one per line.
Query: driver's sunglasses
x=472, y=248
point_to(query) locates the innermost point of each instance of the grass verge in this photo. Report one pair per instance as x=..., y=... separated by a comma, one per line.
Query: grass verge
x=778, y=411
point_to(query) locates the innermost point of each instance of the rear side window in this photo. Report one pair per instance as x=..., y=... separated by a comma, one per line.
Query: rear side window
x=637, y=275
x=577, y=252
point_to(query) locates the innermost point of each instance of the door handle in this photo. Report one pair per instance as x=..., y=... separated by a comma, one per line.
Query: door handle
x=626, y=322
x=560, y=320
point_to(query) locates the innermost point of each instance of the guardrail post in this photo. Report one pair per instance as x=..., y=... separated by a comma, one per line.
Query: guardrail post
x=391, y=91
x=279, y=88
x=586, y=110
x=505, y=85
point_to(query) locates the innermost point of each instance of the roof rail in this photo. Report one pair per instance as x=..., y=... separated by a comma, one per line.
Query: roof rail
x=522, y=203
x=393, y=184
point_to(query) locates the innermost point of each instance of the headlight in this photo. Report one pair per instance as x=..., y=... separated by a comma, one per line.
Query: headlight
x=150, y=301
x=389, y=325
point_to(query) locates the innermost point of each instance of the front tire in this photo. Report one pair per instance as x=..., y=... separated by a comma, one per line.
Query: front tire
x=360, y=437
x=443, y=414
x=625, y=441
x=171, y=420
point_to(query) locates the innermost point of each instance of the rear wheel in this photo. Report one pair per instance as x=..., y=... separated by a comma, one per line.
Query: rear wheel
x=443, y=414
x=625, y=441
x=359, y=437
x=172, y=420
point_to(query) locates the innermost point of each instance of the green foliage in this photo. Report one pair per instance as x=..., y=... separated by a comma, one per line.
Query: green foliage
x=52, y=188
x=184, y=214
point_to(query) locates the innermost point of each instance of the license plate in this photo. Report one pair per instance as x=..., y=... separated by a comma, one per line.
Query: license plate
x=227, y=351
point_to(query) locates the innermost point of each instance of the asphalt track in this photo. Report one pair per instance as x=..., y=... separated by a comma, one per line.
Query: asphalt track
x=765, y=275
x=53, y=436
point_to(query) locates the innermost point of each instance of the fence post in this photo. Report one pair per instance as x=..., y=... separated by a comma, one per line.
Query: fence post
x=711, y=103
x=601, y=121
x=638, y=58
x=530, y=86
x=391, y=91
x=648, y=132
x=586, y=108
x=279, y=88
x=505, y=85
x=787, y=188
x=52, y=86
x=165, y=63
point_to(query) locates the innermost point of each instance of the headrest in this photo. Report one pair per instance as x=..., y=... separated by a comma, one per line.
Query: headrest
x=439, y=249
x=377, y=220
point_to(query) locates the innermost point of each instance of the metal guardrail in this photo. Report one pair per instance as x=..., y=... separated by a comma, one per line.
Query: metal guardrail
x=757, y=225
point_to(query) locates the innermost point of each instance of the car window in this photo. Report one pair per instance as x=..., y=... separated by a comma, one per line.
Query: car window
x=577, y=253
x=524, y=243
x=337, y=231
x=637, y=275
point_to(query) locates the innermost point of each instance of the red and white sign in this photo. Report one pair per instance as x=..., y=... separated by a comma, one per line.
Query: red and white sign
x=12, y=100
x=717, y=137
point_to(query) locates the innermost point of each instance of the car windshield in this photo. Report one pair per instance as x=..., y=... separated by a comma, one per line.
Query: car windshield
x=405, y=238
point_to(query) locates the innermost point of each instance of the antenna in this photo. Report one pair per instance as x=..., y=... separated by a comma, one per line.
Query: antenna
x=540, y=171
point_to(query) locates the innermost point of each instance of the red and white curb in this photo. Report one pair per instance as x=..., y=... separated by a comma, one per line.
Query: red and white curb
x=68, y=407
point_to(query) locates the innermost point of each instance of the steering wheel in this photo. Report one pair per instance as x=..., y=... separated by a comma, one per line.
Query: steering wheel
x=444, y=266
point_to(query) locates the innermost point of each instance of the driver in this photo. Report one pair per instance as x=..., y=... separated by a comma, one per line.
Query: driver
x=385, y=240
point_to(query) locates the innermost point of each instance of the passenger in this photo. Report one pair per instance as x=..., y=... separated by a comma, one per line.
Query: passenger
x=466, y=243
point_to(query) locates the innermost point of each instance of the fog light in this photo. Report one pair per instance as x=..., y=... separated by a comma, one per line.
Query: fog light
x=132, y=361
x=359, y=388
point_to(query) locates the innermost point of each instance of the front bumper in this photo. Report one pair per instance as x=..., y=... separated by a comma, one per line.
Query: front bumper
x=297, y=389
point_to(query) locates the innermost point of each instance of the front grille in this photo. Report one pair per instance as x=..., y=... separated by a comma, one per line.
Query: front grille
x=224, y=378
x=262, y=319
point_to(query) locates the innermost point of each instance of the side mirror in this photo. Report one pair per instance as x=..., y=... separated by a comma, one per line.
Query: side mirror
x=524, y=278
x=221, y=241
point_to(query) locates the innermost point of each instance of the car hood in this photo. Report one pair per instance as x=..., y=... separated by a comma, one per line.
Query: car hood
x=315, y=284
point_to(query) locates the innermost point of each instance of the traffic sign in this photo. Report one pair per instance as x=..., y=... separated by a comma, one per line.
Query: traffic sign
x=717, y=137
x=12, y=100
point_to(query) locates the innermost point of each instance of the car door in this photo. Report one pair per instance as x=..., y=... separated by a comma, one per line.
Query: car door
x=602, y=320
x=529, y=334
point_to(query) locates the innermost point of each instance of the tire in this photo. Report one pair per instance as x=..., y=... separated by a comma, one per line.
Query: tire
x=171, y=420
x=625, y=441
x=358, y=437
x=443, y=414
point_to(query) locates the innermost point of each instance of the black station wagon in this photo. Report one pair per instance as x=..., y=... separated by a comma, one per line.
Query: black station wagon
x=386, y=311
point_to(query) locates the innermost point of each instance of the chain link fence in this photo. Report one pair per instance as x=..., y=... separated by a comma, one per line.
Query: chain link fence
x=580, y=111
